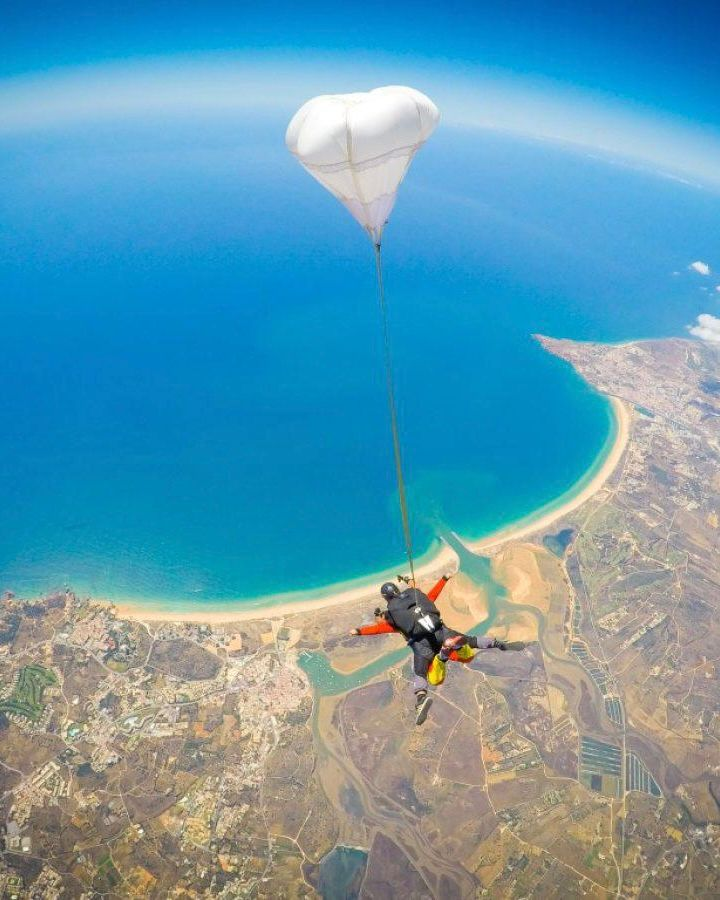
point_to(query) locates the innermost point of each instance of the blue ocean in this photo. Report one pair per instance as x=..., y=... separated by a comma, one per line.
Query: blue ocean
x=192, y=402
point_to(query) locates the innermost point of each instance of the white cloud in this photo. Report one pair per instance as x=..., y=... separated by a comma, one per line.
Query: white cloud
x=717, y=288
x=707, y=328
x=701, y=268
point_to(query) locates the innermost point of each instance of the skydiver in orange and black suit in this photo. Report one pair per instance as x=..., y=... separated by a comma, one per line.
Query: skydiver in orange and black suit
x=415, y=616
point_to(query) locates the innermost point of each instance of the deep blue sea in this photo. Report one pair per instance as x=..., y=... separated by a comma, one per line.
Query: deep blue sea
x=192, y=400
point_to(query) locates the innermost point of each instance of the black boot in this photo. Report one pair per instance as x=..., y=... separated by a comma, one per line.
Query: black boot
x=515, y=645
x=422, y=706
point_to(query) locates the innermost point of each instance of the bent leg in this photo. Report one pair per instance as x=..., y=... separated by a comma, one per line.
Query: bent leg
x=450, y=641
x=421, y=664
x=481, y=642
x=453, y=640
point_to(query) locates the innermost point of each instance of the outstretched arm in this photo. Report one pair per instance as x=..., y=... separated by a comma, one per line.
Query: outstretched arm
x=383, y=627
x=435, y=591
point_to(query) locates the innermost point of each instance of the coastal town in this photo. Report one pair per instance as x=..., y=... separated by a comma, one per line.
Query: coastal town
x=277, y=757
x=114, y=736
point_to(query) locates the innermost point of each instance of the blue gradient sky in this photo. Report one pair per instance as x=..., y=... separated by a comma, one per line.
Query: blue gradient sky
x=639, y=82
x=660, y=53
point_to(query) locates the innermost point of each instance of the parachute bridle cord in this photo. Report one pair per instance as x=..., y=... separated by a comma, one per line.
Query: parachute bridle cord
x=384, y=128
x=390, y=384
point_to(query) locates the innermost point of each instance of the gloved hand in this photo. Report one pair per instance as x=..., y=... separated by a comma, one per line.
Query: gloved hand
x=509, y=645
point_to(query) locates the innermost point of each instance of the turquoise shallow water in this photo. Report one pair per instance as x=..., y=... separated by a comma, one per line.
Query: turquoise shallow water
x=342, y=872
x=192, y=406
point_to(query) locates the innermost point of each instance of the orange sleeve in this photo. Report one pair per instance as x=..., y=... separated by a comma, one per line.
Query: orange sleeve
x=455, y=658
x=435, y=591
x=378, y=628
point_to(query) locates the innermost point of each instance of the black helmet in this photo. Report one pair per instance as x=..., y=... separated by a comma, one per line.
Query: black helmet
x=389, y=590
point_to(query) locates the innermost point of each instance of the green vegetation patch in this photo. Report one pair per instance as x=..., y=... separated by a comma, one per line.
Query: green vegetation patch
x=27, y=697
x=106, y=876
x=117, y=666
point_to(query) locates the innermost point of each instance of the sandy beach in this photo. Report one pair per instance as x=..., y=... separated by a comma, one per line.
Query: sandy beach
x=444, y=561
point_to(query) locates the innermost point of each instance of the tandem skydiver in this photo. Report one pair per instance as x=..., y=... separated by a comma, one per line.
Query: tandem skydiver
x=415, y=615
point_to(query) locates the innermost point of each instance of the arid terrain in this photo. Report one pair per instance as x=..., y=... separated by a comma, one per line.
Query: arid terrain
x=279, y=758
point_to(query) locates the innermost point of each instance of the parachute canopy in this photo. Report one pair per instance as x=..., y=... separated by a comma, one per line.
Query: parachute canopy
x=359, y=146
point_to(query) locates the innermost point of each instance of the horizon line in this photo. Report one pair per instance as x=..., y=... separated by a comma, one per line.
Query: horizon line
x=468, y=95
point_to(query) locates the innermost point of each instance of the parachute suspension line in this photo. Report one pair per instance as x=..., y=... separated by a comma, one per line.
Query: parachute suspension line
x=390, y=384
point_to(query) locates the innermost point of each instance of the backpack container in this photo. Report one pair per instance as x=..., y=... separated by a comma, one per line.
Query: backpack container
x=413, y=613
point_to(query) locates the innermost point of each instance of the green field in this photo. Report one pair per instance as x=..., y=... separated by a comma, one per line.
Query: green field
x=27, y=697
x=106, y=876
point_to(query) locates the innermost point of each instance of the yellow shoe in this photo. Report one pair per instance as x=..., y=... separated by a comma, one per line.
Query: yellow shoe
x=436, y=672
x=465, y=653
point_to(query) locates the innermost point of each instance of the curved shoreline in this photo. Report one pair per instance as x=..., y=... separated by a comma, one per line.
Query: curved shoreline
x=445, y=560
x=583, y=490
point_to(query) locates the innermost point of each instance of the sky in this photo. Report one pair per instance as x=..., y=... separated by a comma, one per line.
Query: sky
x=663, y=54
x=639, y=80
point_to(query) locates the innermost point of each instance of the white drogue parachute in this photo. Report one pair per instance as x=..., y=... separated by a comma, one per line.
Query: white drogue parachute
x=359, y=147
